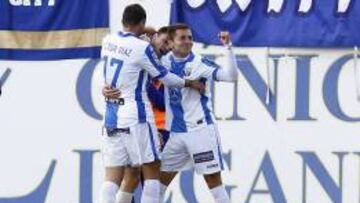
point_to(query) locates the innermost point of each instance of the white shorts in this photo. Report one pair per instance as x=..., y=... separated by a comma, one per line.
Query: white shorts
x=199, y=149
x=138, y=146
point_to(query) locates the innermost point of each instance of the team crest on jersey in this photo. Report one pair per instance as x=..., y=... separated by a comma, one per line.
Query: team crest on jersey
x=175, y=95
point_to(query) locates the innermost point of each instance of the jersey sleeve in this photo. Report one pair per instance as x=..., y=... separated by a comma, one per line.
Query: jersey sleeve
x=206, y=69
x=228, y=72
x=209, y=69
x=157, y=71
x=152, y=64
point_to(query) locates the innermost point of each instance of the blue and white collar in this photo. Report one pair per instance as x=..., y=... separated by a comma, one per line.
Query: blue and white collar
x=188, y=58
x=127, y=34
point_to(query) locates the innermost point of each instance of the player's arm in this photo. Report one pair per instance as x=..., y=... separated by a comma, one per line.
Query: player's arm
x=152, y=65
x=110, y=92
x=209, y=69
x=228, y=72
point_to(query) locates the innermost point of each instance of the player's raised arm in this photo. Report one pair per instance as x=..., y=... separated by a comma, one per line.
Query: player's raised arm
x=154, y=67
x=228, y=72
x=209, y=69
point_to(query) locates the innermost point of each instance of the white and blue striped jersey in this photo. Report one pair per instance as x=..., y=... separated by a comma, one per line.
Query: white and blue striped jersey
x=186, y=109
x=128, y=63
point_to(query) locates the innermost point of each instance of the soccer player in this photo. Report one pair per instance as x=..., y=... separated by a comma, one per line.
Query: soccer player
x=129, y=124
x=155, y=89
x=194, y=141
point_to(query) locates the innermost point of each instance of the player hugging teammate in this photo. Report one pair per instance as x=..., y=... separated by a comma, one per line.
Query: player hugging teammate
x=133, y=67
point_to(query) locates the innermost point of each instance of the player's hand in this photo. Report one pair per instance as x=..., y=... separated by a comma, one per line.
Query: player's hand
x=149, y=31
x=196, y=85
x=224, y=37
x=110, y=92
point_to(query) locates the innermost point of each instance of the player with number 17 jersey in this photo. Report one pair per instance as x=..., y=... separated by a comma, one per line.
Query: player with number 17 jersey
x=129, y=61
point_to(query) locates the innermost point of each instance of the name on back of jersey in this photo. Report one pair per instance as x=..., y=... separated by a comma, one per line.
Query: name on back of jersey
x=113, y=48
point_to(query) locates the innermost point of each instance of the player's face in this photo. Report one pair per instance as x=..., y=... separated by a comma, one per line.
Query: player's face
x=183, y=42
x=161, y=43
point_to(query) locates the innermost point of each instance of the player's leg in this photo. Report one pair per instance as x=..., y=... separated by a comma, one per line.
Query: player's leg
x=111, y=185
x=166, y=178
x=145, y=151
x=163, y=136
x=114, y=159
x=216, y=187
x=175, y=158
x=151, y=188
x=207, y=159
x=128, y=185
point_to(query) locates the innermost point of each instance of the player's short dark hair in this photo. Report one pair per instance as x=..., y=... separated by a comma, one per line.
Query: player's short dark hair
x=164, y=30
x=134, y=14
x=173, y=28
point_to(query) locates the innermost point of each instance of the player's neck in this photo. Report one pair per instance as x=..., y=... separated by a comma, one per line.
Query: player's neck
x=129, y=29
x=180, y=55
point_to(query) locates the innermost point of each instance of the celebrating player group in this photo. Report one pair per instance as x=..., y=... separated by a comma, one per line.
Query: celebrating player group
x=132, y=148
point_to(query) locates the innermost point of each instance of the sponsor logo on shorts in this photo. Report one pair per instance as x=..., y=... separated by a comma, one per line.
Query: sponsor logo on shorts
x=203, y=157
x=212, y=166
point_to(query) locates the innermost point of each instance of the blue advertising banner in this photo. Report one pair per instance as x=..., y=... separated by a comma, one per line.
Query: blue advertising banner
x=275, y=23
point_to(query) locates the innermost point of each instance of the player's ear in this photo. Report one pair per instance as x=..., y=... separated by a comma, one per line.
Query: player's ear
x=171, y=44
x=154, y=36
